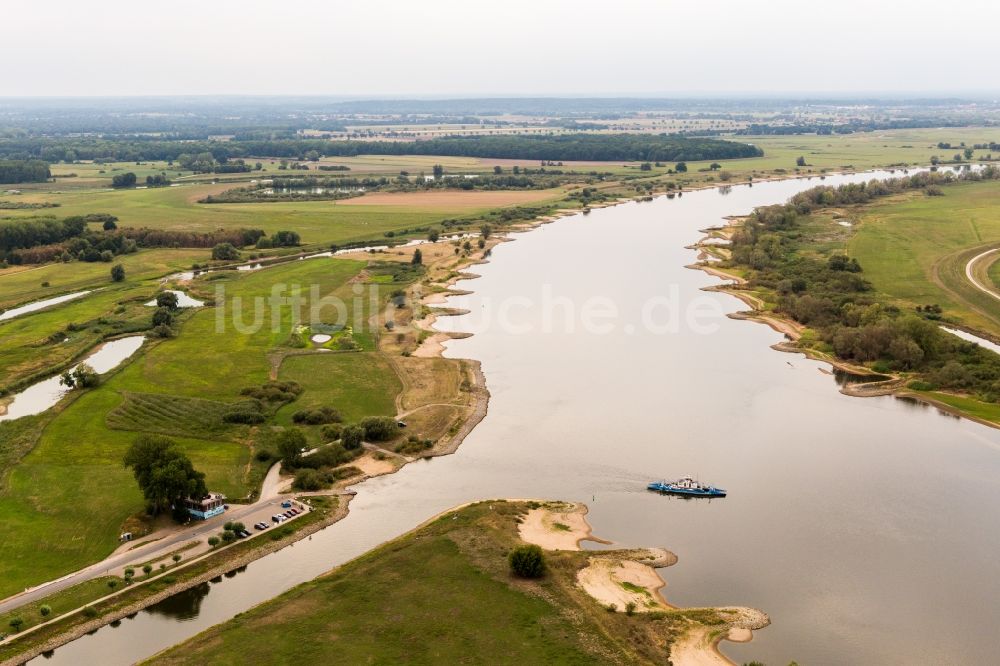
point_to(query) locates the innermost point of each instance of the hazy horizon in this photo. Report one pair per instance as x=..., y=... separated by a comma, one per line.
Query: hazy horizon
x=447, y=49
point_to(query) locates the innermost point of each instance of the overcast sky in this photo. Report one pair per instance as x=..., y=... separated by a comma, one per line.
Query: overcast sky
x=469, y=47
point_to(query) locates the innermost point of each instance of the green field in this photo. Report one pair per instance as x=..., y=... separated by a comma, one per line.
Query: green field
x=176, y=208
x=442, y=594
x=24, y=284
x=65, y=503
x=915, y=250
x=355, y=384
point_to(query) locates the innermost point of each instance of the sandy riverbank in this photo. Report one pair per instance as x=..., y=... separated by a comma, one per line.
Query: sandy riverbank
x=622, y=579
x=895, y=385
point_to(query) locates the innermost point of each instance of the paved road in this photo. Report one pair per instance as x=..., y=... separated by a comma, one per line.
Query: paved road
x=261, y=510
x=972, y=279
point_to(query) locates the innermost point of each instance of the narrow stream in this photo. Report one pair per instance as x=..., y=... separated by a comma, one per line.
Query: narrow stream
x=40, y=305
x=867, y=528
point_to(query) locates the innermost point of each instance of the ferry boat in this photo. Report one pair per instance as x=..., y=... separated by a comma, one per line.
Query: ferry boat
x=686, y=487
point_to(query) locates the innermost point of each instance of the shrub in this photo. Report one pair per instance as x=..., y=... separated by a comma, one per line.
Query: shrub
x=331, y=432
x=90, y=611
x=16, y=623
x=213, y=541
x=318, y=416
x=352, y=436
x=379, y=428
x=176, y=557
x=147, y=569
x=45, y=610
x=117, y=273
x=246, y=411
x=527, y=561
x=630, y=608
x=225, y=252
x=309, y=479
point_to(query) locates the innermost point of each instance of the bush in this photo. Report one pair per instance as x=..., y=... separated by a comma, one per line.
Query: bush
x=90, y=611
x=352, y=436
x=309, y=479
x=45, y=610
x=147, y=569
x=379, y=428
x=225, y=252
x=213, y=541
x=527, y=561
x=247, y=412
x=331, y=432
x=117, y=273
x=317, y=416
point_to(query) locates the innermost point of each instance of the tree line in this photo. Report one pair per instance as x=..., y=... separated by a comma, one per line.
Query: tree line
x=600, y=147
x=24, y=171
x=41, y=240
x=831, y=296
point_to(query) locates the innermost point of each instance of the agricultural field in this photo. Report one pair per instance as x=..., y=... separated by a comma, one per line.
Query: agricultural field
x=915, y=250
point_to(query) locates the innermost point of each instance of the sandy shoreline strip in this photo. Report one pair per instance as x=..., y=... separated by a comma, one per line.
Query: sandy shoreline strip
x=629, y=578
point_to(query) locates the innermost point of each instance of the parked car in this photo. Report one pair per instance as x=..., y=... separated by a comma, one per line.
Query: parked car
x=244, y=534
x=276, y=518
x=286, y=505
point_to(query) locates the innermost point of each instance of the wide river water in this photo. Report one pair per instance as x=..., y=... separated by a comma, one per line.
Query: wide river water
x=866, y=528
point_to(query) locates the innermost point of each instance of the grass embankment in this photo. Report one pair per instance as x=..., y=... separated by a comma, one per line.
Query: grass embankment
x=64, y=504
x=442, y=594
x=915, y=250
x=359, y=384
x=60, y=603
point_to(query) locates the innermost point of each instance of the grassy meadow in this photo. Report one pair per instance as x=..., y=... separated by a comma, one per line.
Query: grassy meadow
x=915, y=250
x=400, y=602
x=64, y=503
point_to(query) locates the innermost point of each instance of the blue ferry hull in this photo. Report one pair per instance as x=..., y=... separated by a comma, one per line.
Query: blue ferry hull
x=686, y=492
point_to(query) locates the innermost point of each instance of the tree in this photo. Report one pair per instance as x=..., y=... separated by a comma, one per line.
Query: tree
x=935, y=160
x=117, y=273
x=800, y=161
x=176, y=558
x=497, y=170
x=379, y=428
x=123, y=180
x=527, y=561
x=82, y=376
x=225, y=252
x=166, y=299
x=715, y=166
x=968, y=153
x=213, y=541
x=352, y=436
x=285, y=239
x=290, y=445
x=433, y=236
x=109, y=225
x=163, y=473
x=645, y=166
x=162, y=317
x=16, y=623
x=45, y=610
x=681, y=167
x=147, y=569
x=418, y=257
x=438, y=171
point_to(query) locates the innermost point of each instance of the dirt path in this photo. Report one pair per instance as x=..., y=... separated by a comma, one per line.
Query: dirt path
x=969, y=267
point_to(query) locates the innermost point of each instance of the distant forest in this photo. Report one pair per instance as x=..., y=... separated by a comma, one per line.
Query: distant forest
x=23, y=171
x=624, y=147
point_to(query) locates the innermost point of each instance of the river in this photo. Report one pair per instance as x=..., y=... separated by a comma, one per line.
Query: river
x=866, y=528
